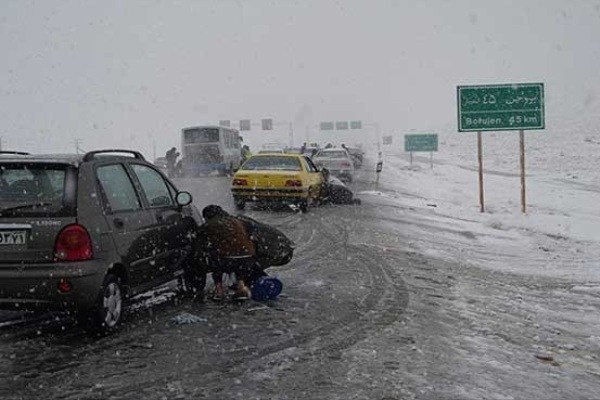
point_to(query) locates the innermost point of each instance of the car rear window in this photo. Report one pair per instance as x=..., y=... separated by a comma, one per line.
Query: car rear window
x=272, y=163
x=31, y=189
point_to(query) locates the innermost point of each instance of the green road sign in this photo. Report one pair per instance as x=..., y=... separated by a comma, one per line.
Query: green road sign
x=501, y=107
x=341, y=125
x=421, y=142
x=245, y=124
x=355, y=124
x=326, y=126
x=267, y=124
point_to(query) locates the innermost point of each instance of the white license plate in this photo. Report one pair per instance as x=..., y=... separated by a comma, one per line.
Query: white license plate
x=12, y=237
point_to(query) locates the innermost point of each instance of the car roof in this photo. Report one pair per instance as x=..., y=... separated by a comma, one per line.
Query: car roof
x=72, y=159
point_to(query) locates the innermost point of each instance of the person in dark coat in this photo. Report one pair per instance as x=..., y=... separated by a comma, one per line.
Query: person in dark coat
x=225, y=245
x=171, y=157
x=335, y=192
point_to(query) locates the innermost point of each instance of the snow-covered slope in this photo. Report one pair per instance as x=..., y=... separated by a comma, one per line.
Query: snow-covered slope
x=558, y=236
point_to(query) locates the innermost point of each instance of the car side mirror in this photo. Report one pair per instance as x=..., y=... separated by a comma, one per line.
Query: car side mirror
x=183, y=199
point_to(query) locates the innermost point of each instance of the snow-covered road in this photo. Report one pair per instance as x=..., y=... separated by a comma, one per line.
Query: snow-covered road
x=413, y=295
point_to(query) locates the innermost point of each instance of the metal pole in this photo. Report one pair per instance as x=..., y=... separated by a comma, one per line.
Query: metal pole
x=1, y=140
x=378, y=136
x=522, y=148
x=431, y=158
x=154, y=150
x=291, y=135
x=480, y=158
x=411, y=158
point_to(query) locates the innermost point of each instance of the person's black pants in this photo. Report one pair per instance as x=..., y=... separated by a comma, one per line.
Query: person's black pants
x=245, y=269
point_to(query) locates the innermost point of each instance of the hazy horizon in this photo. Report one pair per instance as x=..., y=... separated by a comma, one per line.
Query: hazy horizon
x=128, y=74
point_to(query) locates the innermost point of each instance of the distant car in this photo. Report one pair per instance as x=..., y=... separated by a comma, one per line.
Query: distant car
x=83, y=233
x=292, y=150
x=271, y=152
x=283, y=178
x=273, y=147
x=337, y=161
x=310, y=151
x=161, y=162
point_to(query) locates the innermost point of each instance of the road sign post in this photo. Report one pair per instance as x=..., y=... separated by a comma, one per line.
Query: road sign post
x=501, y=108
x=480, y=160
x=378, y=170
x=522, y=162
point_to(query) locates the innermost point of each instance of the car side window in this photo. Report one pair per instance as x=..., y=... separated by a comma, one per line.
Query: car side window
x=118, y=189
x=311, y=166
x=153, y=185
x=172, y=190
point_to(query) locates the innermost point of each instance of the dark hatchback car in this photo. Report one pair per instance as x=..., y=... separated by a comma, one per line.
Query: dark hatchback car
x=83, y=233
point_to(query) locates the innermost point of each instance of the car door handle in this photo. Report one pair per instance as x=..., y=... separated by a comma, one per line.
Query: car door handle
x=119, y=223
x=160, y=217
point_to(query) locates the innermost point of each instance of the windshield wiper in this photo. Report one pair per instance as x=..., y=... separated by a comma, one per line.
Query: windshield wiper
x=29, y=205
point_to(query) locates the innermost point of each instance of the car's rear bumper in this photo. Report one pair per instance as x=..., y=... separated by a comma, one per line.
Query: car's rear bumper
x=270, y=194
x=35, y=286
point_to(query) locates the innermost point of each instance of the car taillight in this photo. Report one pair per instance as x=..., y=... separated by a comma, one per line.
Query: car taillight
x=73, y=243
x=346, y=164
x=240, y=182
x=293, y=183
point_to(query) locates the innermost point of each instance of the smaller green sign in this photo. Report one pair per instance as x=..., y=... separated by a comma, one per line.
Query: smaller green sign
x=427, y=142
x=355, y=124
x=326, y=126
x=341, y=125
x=245, y=124
x=267, y=124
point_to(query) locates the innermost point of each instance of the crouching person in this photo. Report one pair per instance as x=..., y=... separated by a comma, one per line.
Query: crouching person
x=335, y=191
x=226, y=247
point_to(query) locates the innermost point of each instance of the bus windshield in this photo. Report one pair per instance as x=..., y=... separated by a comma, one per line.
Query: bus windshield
x=201, y=135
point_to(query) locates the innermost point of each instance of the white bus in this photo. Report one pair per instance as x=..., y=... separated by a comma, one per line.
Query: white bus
x=210, y=148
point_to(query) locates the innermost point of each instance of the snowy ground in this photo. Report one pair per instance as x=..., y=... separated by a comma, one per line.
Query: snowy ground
x=559, y=235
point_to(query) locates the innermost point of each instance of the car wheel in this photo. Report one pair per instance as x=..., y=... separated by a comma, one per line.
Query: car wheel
x=240, y=204
x=106, y=317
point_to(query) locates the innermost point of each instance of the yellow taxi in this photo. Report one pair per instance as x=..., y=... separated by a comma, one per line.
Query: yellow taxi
x=276, y=177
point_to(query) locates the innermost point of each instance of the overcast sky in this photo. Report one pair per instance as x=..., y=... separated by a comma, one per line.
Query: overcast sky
x=126, y=73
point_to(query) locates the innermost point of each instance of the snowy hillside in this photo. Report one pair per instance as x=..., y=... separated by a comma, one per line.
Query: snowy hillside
x=558, y=236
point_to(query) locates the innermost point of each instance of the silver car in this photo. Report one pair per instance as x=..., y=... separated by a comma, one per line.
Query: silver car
x=337, y=161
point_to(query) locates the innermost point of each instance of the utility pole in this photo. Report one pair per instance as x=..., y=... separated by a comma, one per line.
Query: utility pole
x=1, y=142
x=153, y=149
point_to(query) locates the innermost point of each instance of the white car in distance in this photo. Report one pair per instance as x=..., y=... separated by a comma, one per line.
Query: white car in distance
x=337, y=161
